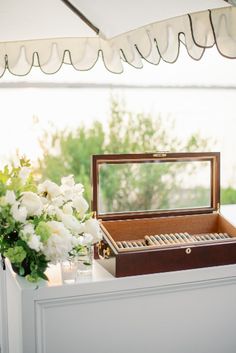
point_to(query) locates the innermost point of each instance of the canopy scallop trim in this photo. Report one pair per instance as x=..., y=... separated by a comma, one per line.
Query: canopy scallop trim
x=153, y=43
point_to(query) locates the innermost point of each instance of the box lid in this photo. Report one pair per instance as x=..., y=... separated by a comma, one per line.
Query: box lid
x=155, y=184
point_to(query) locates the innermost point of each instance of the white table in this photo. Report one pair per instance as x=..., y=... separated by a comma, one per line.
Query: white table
x=191, y=311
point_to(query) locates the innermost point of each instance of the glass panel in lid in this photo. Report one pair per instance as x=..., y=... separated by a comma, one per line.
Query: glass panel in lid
x=154, y=186
x=147, y=186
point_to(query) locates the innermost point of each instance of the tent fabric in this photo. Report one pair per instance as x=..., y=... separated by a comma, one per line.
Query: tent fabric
x=153, y=42
x=114, y=17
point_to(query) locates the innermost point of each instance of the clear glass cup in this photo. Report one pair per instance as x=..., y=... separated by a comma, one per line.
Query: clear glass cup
x=69, y=270
x=85, y=260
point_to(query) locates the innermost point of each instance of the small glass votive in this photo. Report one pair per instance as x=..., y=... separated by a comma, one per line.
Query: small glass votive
x=69, y=270
x=85, y=260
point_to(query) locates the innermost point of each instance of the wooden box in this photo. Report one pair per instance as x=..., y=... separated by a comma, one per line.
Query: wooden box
x=160, y=212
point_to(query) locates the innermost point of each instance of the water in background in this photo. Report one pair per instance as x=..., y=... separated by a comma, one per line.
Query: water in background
x=211, y=112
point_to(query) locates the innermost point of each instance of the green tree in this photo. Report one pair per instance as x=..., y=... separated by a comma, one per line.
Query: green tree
x=69, y=152
x=228, y=196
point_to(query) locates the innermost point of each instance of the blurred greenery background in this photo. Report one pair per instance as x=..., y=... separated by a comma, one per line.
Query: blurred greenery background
x=69, y=151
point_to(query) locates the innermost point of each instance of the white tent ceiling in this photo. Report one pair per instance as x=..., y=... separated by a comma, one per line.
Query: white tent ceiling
x=48, y=33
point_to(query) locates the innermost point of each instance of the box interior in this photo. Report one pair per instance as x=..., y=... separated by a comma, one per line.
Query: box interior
x=136, y=229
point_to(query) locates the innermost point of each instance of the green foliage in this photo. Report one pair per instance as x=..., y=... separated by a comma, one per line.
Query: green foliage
x=15, y=180
x=69, y=152
x=43, y=231
x=228, y=196
x=11, y=179
x=73, y=157
x=16, y=254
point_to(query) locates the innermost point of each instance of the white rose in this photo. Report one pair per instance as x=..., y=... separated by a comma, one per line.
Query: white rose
x=92, y=227
x=10, y=197
x=72, y=223
x=18, y=212
x=49, y=188
x=32, y=203
x=80, y=204
x=24, y=174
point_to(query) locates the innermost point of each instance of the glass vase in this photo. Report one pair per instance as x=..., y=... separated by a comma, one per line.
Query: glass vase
x=85, y=260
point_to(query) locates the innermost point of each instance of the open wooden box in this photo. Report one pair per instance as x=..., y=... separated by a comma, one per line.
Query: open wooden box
x=160, y=212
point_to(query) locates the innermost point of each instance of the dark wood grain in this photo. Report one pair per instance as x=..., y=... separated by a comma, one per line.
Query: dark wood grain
x=135, y=225
x=131, y=264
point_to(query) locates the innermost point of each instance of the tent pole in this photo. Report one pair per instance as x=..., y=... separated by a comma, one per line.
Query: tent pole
x=81, y=15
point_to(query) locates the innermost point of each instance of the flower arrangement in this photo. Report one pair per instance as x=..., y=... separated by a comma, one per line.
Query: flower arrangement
x=44, y=223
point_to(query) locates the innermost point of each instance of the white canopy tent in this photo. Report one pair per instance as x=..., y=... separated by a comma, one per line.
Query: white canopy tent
x=49, y=33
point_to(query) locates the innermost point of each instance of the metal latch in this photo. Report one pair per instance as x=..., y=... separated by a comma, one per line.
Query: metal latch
x=104, y=251
x=160, y=154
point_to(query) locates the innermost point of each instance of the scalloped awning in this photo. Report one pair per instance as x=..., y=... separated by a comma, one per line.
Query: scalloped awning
x=49, y=33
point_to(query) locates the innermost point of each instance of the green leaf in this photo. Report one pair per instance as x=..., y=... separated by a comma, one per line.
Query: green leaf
x=43, y=276
x=21, y=271
x=32, y=278
x=87, y=263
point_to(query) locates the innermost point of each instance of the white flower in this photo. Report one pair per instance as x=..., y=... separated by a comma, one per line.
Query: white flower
x=58, y=201
x=92, y=227
x=69, y=189
x=68, y=181
x=52, y=210
x=32, y=239
x=10, y=197
x=60, y=242
x=85, y=239
x=78, y=189
x=28, y=230
x=50, y=189
x=24, y=174
x=35, y=243
x=67, y=185
x=88, y=238
x=72, y=223
x=67, y=194
x=19, y=213
x=44, y=200
x=80, y=204
x=67, y=208
x=32, y=203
